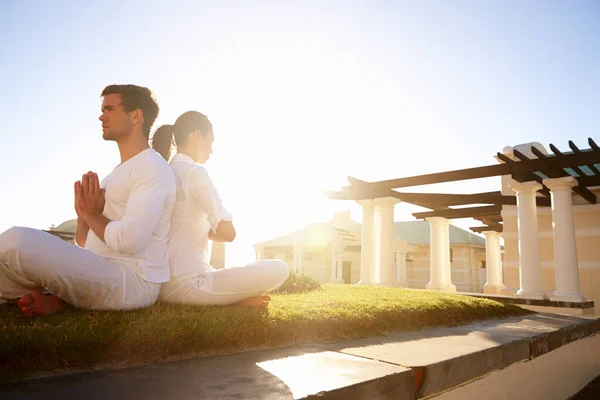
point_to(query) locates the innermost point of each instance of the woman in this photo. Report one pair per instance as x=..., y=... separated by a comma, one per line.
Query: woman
x=199, y=216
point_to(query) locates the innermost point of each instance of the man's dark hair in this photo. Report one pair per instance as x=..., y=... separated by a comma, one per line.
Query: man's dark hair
x=135, y=97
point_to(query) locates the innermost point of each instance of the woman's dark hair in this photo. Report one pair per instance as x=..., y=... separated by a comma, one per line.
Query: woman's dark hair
x=168, y=136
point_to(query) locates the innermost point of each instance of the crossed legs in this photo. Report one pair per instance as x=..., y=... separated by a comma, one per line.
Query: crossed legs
x=245, y=285
x=32, y=260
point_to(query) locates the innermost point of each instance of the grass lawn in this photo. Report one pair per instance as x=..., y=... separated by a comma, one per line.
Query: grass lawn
x=86, y=339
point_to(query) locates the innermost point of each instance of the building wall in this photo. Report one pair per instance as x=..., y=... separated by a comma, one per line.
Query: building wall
x=467, y=267
x=468, y=272
x=587, y=232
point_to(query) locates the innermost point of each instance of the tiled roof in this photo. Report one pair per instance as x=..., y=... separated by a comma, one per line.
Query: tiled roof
x=414, y=232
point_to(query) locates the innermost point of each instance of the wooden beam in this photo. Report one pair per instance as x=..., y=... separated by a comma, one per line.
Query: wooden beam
x=440, y=177
x=362, y=190
x=537, y=153
x=580, y=189
x=533, y=177
x=514, y=169
x=525, y=177
x=459, y=199
x=469, y=212
x=480, y=229
x=589, y=181
x=490, y=220
x=463, y=199
x=591, y=166
x=557, y=152
x=573, y=147
x=579, y=171
x=434, y=201
x=564, y=161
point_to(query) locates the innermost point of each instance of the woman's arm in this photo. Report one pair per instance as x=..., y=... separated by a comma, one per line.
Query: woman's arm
x=225, y=232
x=207, y=197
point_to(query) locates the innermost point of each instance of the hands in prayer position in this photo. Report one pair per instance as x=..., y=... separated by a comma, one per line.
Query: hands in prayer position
x=89, y=197
x=89, y=204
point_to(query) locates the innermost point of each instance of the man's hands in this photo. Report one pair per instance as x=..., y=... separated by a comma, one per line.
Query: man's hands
x=89, y=204
x=89, y=197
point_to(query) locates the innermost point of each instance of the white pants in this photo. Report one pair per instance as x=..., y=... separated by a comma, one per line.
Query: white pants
x=228, y=285
x=31, y=259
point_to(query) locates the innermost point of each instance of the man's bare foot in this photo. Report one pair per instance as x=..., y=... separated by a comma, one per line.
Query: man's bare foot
x=37, y=304
x=255, y=301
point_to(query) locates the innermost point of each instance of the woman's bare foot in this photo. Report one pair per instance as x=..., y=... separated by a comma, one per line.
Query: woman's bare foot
x=37, y=304
x=255, y=301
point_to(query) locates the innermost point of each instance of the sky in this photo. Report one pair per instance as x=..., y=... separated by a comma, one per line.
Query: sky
x=302, y=94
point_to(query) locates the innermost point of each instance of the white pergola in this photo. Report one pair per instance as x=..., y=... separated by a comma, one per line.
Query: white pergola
x=536, y=179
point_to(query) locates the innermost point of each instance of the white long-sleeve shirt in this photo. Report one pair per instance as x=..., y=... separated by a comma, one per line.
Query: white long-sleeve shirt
x=140, y=195
x=198, y=209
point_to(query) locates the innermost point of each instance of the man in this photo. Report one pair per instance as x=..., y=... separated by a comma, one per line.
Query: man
x=121, y=256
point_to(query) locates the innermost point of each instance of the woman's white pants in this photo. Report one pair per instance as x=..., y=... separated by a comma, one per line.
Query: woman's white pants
x=31, y=259
x=226, y=286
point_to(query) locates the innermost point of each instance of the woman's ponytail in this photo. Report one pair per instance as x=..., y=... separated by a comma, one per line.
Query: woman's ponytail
x=162, y=141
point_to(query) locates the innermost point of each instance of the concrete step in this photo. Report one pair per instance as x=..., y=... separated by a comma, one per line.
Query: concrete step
x=403, y=365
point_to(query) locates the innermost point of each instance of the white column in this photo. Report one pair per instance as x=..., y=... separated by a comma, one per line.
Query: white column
x=493, y=263
x=333, y=266
x=387, y=267
x=530, y=268
x=295, y=266
x=298, y=256
x=367, y=247
x=336, y=267
x=447, y=269
x=439, y=269
x=259, y=255
x=401, y=269
x=376, y=240
x=340, y=269
x=566, y=269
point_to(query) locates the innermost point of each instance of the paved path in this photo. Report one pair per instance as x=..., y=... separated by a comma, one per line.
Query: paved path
x=397, y=366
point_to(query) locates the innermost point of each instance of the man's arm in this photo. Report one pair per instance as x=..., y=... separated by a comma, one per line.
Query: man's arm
x=142, y=213
x=98, y=223
x=206, y=195
x=81, y=232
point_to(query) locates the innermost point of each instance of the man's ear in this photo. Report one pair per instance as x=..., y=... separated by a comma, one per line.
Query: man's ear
x=138, y=116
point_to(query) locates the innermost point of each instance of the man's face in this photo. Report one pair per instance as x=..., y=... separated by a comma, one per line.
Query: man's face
x=116, y=122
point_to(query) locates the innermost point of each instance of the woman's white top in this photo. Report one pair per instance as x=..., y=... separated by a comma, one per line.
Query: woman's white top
x=198, y=209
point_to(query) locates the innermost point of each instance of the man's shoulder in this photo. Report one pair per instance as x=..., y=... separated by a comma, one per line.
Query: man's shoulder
x=154, y=164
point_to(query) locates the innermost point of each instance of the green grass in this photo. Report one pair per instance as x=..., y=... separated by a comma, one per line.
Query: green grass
x=87, y=339
x=298, y=284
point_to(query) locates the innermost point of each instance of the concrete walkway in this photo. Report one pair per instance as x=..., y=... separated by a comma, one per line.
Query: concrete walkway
x=400, y=366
